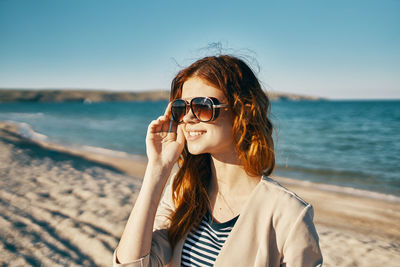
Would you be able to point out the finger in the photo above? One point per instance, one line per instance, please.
(165, 123)
(156, 125)
(153, 126)
(173, 126)
(180, 137)
(167, 111)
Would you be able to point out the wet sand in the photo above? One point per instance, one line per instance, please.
(66, 207)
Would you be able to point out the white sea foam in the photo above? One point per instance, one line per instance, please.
(27, 131)
(24, 114)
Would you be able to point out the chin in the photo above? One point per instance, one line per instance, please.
(196, 149)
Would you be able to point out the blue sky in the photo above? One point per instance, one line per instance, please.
(337, 49)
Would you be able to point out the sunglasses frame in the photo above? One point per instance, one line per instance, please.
(189, 104)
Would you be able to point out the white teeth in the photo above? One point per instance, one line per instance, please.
(195, 133)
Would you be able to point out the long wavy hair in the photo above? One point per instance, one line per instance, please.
(251, 131)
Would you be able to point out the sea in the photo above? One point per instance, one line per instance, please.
(355, 144)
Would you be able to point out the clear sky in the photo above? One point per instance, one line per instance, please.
(339, 49)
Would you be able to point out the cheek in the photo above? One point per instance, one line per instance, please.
(225, 127)
(222, 135)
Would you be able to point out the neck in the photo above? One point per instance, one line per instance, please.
(229, 189)
(229, 178)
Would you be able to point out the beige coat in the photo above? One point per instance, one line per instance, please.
(275, 228)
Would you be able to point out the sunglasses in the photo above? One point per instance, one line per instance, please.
(203, 108)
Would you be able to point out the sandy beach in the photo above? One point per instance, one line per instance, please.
(66, 207)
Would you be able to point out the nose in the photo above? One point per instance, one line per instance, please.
(189, 117)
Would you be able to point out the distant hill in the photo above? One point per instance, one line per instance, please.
(275, 96)
(73, 95)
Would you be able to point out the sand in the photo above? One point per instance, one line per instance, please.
(65, 207)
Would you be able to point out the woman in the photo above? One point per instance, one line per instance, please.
(220, 207)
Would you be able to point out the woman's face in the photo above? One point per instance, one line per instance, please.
(214, 137)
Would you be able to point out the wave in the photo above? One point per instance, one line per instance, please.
(27, 115)
(27, 132)
(319, 171)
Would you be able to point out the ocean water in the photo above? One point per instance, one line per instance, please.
(347, 143)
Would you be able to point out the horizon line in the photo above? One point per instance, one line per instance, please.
(159, 89)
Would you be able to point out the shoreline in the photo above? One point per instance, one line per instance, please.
(135, 165)
(65, 204)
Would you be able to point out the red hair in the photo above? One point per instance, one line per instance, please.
(252, 134)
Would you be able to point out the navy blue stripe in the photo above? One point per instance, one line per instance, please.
(214, 251)
(208, 229)
(203, 263)
(188, 262)
(207, 243)
(208, 239)
(200, 256)
(209, 232)
(218, 232)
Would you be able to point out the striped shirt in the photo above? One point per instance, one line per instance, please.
(202, 245)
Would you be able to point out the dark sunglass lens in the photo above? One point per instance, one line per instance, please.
(202, 108)
(178, 110)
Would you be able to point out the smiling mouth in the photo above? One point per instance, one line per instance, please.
(196, 133)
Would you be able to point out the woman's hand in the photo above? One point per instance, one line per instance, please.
(164, 140)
